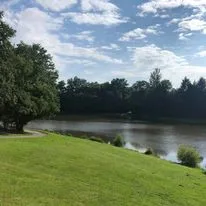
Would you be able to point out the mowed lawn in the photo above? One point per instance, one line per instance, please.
(58, 170)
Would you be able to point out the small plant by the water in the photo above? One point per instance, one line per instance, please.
(188, 156)
(149, 151)
(96, 139)
(118, 141)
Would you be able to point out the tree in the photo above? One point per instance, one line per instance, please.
(119, 88)
(119, 91)
(140, 86)
(155, 79)
(188, 156)
(139, 91)
(7, 77)
(201, 84)
(35, 90)
(165, 85)
(28, 78)
(185, 85)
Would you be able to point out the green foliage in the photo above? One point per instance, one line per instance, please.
(96, 139)
(154, 100)
(155, 78)
(118, 141)
(28, 88)
(188, 156)
(149, 151)
(204, 171)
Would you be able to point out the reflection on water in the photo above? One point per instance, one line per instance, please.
(163, 139)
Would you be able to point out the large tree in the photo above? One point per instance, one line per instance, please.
(28, 78)
(7, 78)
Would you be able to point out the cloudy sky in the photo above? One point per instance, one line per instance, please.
(103, 39)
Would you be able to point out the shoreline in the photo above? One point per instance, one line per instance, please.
(119, 118)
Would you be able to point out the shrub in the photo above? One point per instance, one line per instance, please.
(188, 156)
(118, 141)
(204, 171)
(149, 151)
(96, 139)
(83, 137)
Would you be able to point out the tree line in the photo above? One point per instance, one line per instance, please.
(149, 100)
(28, 81)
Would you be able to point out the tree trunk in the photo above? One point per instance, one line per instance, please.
(19, 127)
(5, 125)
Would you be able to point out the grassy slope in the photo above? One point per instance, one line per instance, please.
(66, 171)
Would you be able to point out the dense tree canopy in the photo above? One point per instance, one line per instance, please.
(28, 78)
(150, 100)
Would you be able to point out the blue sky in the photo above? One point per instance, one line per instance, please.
(103, 39)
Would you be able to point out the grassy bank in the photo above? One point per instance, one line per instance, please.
(59, 170)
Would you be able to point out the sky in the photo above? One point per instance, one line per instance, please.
(99, 40)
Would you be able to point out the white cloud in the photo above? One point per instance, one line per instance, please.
(36, 26)
(195, 22)
(111, 47)
(150, 57)
(193, 25)
(173, 21)
(56, 5)
(97, 12)
(201, 54)
(129, 73)
(154, 6)
(69, 49)
(162, 16)
(98, 5)
(84, 35)
(140, 33)
(173, 67)
(64, 62)
(184, 37)
(106, 19)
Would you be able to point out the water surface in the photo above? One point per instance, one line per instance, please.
(164, 139)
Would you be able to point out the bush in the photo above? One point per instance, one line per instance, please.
(188, 156)
(83, 137)
(118, 141)
(96, 139)
(149, 151)
(204, 171)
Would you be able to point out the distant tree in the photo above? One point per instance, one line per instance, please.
(185, 85)
(61, 87)
(76, 86)
(119, 88)
(120, 93)
(201, 84)
(155, 78)
(139, 91)
(165, 85)
(140, 86)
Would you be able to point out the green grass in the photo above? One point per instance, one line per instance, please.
(59, 170)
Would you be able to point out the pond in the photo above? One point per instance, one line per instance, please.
(163, 139)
